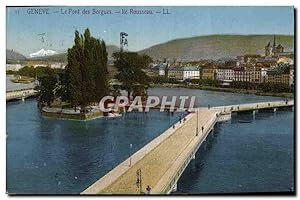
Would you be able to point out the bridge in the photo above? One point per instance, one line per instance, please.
(159, 165)
(20, 94)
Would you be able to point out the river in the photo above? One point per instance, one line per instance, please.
(47, 156)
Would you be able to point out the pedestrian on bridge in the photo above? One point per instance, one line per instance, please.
(148, 189)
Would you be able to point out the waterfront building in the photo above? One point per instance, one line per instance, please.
(291, 76)
(263, 75)
(184, 73)
(157, 69)
(40, 65)
(224, 74)
(285, 60)
(256, 73)
(240, 74)
(175, 73)
(275, 77)
(191, 72)
(208, 73)
(13, 67)
(247, 75)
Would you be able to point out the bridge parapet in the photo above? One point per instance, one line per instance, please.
(254, 106)
(163, 160)
(20, 94)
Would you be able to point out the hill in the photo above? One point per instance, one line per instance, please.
(216, 46)
(62, 57)
(14, 56)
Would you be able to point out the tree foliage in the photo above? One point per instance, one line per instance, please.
(86, 72)
(85, 79)
(46, 88)
(131, 72)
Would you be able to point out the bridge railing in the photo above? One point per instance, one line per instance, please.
(174, 179)
(20, 90)
(20, 94)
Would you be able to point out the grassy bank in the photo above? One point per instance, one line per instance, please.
(69, 116)
(219, 89)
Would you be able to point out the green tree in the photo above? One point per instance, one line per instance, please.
(130, 67)
(46, 88)
(86, 72)
(73, 73)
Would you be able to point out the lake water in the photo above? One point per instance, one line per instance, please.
(16, 86)
(58, 156)
(245, 157)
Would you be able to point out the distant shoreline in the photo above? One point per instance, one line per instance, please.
(230, 90)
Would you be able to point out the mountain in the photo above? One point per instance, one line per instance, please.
(42, 53)
(11, 55)
(216, 46)
(111, 49)
(62, 57)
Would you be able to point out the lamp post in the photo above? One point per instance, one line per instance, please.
(197, 129)
(139, 179)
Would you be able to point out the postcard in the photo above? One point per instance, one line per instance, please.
(150, 100)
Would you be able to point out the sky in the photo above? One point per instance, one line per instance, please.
(28, 32)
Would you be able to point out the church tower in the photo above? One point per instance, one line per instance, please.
(268, 50)
(274, 45)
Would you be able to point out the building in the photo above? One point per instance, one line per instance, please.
(251, 58)
(256, 76)
(291, 81)
(273, 50)
(224, 74)
(184, 73)
(275, 77)
(263, 75)
(175, 73)
(240, 60)
(13, 67)
(243, 75)
(208, 73)
(191, 72)
(240, 74)
(158, 69)
(285, 60)
(40, 65)
(58, 65)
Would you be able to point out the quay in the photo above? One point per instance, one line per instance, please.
(157, 167)
(20, 94)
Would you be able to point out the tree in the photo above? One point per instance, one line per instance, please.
(85, 79)
(73, 73)
(86, 72)
(46, 88)
(130, 67)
